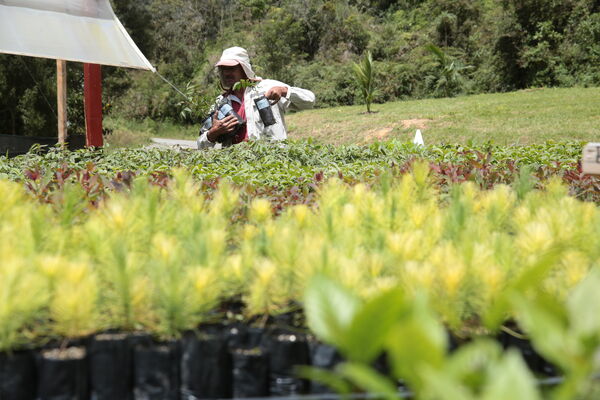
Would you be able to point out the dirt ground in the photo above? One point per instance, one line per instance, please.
(383, 133)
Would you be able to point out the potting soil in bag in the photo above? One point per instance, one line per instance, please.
(206, 368)
(111, 367)
(250, 373)
(323, 356)
(286, 352)
(63, 374)
(17, 376)
(156, 371)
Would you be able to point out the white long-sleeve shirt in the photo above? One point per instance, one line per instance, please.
(296, 98)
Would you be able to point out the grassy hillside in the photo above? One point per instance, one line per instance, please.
(522, 117)
(527, 116)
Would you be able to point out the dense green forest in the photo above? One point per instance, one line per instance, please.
(421, 48)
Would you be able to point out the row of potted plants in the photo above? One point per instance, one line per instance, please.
(167, 260)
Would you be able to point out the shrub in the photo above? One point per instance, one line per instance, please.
(333, 83)
(448, 78)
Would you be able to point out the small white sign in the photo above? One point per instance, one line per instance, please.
(590, 163)
(418, 140)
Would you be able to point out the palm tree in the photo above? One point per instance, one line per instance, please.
(365, 76)
(448, 79)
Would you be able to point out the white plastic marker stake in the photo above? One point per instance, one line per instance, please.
(418, 140)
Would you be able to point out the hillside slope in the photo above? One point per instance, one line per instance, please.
(523, 117)
(526, 116)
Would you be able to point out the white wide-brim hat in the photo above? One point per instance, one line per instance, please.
(234, 56)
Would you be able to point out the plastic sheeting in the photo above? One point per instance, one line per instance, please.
(73, 30)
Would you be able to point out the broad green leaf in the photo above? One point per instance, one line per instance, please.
(325, 377)
(439, 384)
(529, 278)
(371, 325)
(416, 341)
(329, 309)
(575, 386)
(511, 379)
(468, 363)
(548, 333)
(584, 305)
(366, 378)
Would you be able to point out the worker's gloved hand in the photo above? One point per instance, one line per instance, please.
(276, 93)
(221, 127)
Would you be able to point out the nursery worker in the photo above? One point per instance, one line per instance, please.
(233, 66)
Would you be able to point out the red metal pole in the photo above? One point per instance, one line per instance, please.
(92, 91)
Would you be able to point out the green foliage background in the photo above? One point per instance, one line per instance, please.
(489, 45)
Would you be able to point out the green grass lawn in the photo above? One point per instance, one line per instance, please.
(523, 117)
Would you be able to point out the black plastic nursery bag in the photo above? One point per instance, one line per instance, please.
(287, 351)
(250, 373)
(63, 374)
(326, 357)
(17, 376)
(206, 368)
(156, 374)
(111, 367)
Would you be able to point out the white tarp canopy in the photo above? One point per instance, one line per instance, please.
(74, 30)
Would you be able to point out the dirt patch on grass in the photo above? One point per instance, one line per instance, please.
(384, 132)
(415, 123)
(378, 134)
